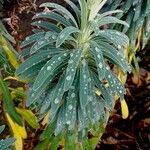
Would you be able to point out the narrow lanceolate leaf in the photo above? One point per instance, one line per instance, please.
(114, 84)
(32, 38)
(57, 97)
(115, 37)
(64, 35)
(94, 108)
(109, 13)
(70, 141)
(60, 125)
(33, 60)
(48, 132)
(46, 25)
(46, 74)
(74, 8)
(71, 104)
(9, 106)
(46, 102)
(55, 142)
(119, 87)
(32, 72)
(84, 85)
(5, 144)
(61, 10)
(115, 56)
(75, 57)
(108, 20)
(49, 38)
(97, 52)
(83, 121)
(104, 91)
(53, 16)
(29, 117)
(110, 79)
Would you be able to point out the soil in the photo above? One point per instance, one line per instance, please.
(120, 134)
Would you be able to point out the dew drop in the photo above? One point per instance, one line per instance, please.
(70, 107)
(49, 68)
(39, 21)
(119, 46)
(84, 76)
(54, 37)
(99, 56)
(27, 38)
(100, 65)
(61, 36)
(107, 68)
(65, 54)
(56, 101)
(68, 78)
(32, 95)
(70, 61)
(59, 58)
(68, 122)
(109, 76)
(73, 95)
(96, 48)
(120, 91)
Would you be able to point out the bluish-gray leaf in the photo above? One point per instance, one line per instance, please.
(64, 35)
(100, 63)
(75, 57)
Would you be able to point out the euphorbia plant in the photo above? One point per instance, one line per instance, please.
(69, 64)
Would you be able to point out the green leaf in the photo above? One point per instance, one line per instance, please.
(54, 16)
(60, 121)
(46, 25)
(49, 38)
(70, 111)
(104, 91)
(73, 63)
(64, 35)
(35, 59)
(86, 144)
(46, 75)
(107, 20)
(48, 132)
(32, 38)
(8, 103)
(83, 121)
(57, 97)
(115, 37)
(29, 117)
(43, 145)
(108, 13)
(4, 144)
(55, 142)
(84, 85)
(97, 52)
(114, 56)
(61, 10)
(70, 141)
(75, 9)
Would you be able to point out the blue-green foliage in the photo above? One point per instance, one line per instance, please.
(5, 143)
(68, 61)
